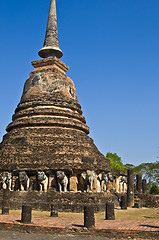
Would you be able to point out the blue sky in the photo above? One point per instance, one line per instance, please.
(112, 49)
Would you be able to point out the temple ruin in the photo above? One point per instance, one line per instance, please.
(47, 147)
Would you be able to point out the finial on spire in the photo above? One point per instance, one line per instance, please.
(51, 43)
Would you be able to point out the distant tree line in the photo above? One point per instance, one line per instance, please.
(149, 171)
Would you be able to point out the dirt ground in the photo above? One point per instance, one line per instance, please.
(129, 214)
(6, 235)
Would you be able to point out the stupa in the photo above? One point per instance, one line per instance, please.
(48, 132)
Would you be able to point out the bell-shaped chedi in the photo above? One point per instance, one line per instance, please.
(48, 131)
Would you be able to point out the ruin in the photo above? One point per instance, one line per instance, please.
(47, 147)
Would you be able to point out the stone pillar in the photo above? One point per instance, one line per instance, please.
(139, 183)
(5, 207)
(144, 186)
(89, 221)
(124, 202)
(109, 211)
(73, 183)
(5, 202)
(26, 214)
(54, 213)
(95, 185)
(130, 190)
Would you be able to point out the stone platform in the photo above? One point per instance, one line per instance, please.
(68, 202)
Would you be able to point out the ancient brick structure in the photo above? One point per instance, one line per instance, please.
(47, 144)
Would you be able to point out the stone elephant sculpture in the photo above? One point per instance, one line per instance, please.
(6, 180)
(124, 182)
(103, 179)
(42, 181)
(88, 179)
(24, 181)
(62, 181)
(124, 179)
(110, 176)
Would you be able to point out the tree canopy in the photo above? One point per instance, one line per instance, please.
(115, 161)
(150, 171)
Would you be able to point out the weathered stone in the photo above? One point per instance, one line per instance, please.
(88, 159)
(139, 183)
(51, 44)
(54, 213)
(73, 183)
(69, 202)
(5, 207)
(89, 220)
(130, 190)
(124, 202)
(48, 132)
(26, 214)
(144, 186)
(137, 205)
(109, 211)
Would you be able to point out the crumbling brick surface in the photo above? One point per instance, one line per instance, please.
(48, 130)
(69, 202)
(147, 200)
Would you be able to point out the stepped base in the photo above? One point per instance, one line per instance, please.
(68, 202)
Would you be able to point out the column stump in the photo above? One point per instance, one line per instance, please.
(89, 220)
(109, 211)
(26, 214)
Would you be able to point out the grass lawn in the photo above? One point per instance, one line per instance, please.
(130, 213)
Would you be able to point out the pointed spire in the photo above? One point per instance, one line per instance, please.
(51, 43)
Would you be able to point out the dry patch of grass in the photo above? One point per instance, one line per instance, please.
(129, 214)
(137, 214)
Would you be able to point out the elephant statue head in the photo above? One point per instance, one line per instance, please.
(23, 181)
(88, 179)
(124, 179)
(62, 181)
(110, 176)
(41, 176)
(42, 181)
(103, 178)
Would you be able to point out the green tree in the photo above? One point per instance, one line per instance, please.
(115, 161)
(150, 171)
(129, 166)
(154, 189)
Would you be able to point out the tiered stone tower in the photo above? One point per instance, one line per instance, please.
(48, 131)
